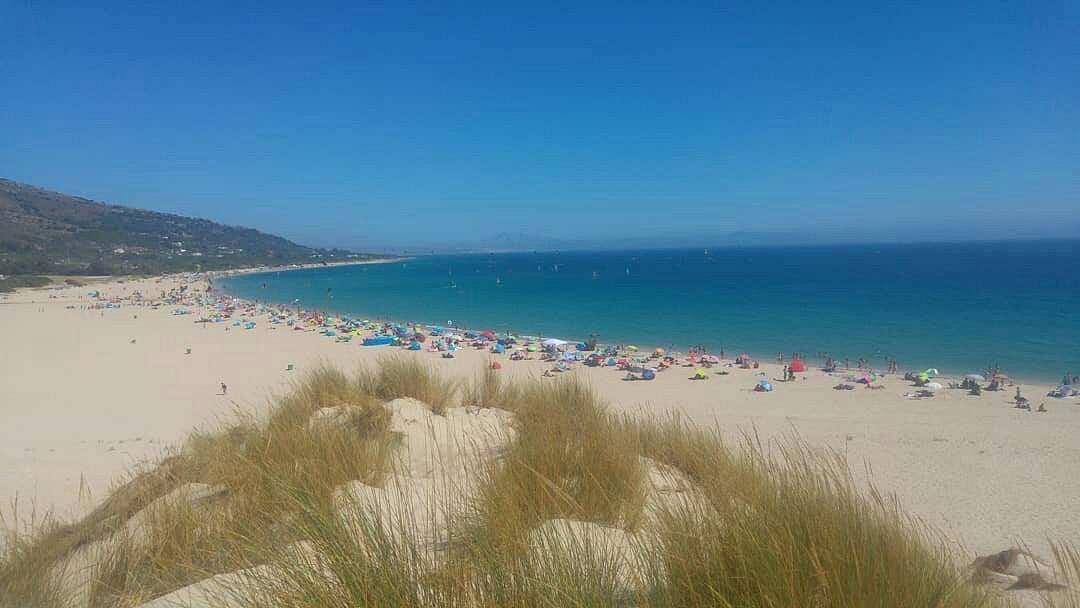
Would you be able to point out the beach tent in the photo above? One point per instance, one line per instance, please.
(765, 384)
(415, 346)
(648, 374)
(499, 349)
(798, 366)
(378, 341)
(554, 342)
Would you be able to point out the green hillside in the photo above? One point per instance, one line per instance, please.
(43, 232)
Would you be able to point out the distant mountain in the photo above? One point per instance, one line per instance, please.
(506, 242)
(518, 241)
(48, 232)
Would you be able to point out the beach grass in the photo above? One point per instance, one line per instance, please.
(399, 376)
(753, 525)
(12, 282)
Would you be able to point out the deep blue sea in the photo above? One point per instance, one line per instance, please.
(957, 307)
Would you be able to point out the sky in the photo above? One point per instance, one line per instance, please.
(381, 124)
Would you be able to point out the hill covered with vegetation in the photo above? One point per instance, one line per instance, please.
(44, 232)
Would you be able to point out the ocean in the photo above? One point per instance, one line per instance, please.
(959, 307)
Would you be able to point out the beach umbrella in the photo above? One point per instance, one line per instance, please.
(934, 386)
(660, 352)
(632, 347)
(977, 377)
(531, 348)
(1001, 377)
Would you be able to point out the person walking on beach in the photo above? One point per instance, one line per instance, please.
(224, 389)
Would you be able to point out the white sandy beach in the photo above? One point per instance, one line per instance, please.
(88, 394)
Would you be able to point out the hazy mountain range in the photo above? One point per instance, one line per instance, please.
(520, 241)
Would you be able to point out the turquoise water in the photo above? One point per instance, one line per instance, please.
(957, 307)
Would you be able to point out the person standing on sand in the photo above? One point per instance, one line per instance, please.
(224, 389)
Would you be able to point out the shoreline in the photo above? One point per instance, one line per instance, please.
(646, 348)
(130, 394)
(289, 267)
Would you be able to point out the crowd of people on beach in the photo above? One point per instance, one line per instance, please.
(197, 296)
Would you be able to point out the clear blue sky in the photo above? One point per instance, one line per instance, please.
(381, 123)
